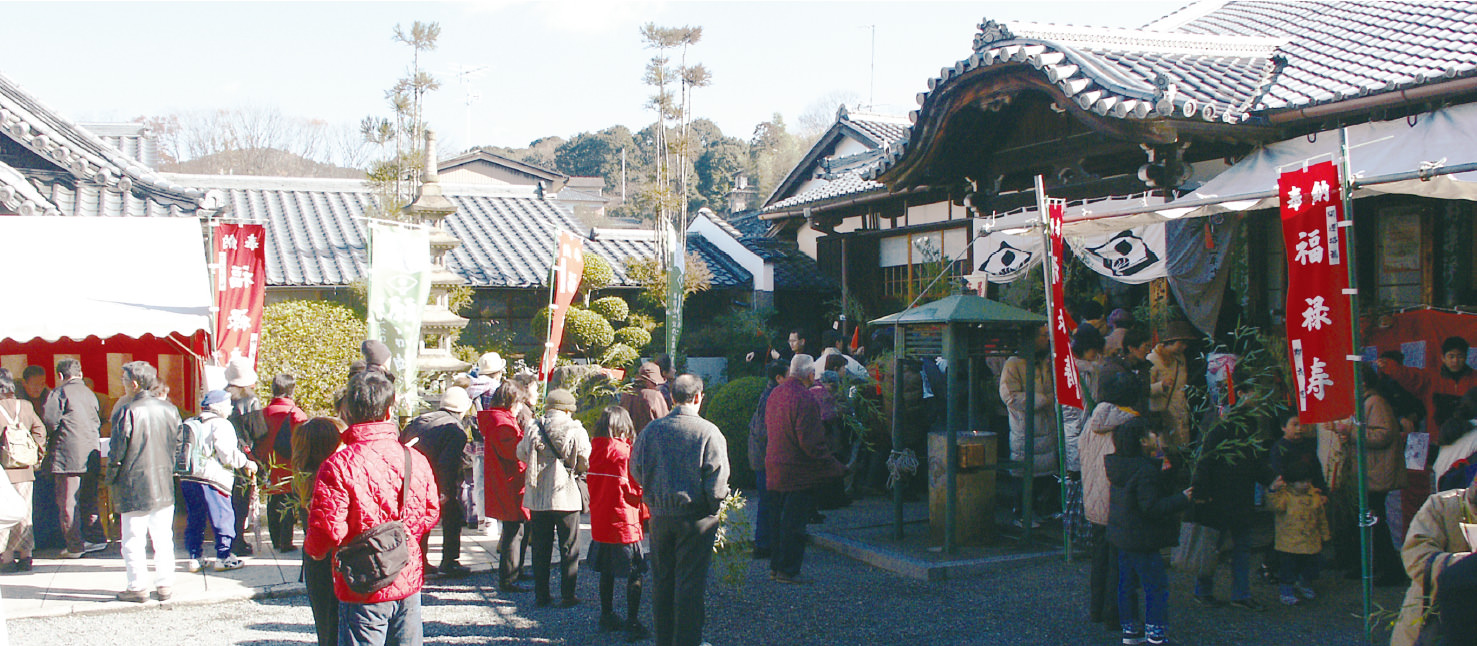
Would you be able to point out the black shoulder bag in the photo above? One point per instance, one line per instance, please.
(375, 558)
(579, 478)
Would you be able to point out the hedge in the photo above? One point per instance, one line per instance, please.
(314, 341)
(730, 407)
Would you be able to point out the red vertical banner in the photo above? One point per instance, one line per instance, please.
(569, 268)
(1068, 387)
(1319, 333)
(240, 289)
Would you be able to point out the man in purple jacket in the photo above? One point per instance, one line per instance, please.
(797, 462)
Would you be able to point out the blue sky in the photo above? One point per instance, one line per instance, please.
(553, 68)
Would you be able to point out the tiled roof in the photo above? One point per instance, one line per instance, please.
(131, 139)
(82, 173)
(726, 271)
(315, 232)
(847, 184)
(877, 132)
(793, 270)
(747, 224)
(1340, 50)
(1229, 62)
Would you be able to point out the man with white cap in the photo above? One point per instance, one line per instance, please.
(250, 422)
(486, 379)
(442, 438)
(216, 456)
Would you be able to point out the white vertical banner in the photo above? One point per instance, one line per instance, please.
(399, 285)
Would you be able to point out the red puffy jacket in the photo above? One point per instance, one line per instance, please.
(615, 498)
(502, 471)
(275, 450)
(359, 488)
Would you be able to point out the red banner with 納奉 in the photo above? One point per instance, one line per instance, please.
(240, 289)
(1319, 334)
(1068, 387)
(569, 268)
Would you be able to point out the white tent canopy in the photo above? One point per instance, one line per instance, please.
(103, 277)
(1379, 153)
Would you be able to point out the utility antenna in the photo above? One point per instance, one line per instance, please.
(464, 76)
(872, 78)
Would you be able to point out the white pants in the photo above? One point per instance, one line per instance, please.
(158, 527)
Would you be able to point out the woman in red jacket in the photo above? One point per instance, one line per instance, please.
(616, 514)
(503, 477)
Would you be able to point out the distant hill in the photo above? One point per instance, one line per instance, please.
(261, 161)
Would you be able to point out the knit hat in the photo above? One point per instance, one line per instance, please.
(1454, 343)
(376, 353)
(1179, 331)
(215, 397)
(491, 364)
(456, 400)
(1120, 318)
(560, 399)
(239, 372)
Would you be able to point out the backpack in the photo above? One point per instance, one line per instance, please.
(18, 450)
(194, 452)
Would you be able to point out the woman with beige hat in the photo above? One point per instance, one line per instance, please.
(1167, 380)
(250, 424)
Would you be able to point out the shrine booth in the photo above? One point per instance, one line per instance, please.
(961, 462)
(107, 291)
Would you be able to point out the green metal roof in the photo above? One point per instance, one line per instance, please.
(963, 309)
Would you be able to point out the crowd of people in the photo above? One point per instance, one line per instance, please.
(1245, 482)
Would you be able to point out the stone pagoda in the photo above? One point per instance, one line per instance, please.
(439, 325)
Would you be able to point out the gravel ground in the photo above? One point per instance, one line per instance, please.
(850, 603)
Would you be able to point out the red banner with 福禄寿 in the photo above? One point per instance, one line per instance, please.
(1068, 386)
(1319, 332)
(569, 268)
(240, 290)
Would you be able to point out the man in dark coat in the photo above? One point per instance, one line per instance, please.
(774, 374)
(648, 402)
(1230, 466)
(681, 462)
(798, 460)
(71, 414)
(441, 437)
(141, 454)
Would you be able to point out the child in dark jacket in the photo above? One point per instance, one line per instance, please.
(1142, 520)
(616, 514)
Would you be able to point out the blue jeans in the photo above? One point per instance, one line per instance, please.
(792, 510)
(204, 502)
(763, 511)
(1144, 569)
(388, 623)
(1240, 567)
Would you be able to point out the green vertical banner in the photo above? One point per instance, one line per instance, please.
(399, 285)
(677, 253)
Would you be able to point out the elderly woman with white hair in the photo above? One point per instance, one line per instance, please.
(216, 456)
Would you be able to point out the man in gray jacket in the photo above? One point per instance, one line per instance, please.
(141, 452)
(71, 413)
(681, 461)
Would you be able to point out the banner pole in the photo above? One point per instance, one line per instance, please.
(1366, 578)
(549, 326)
(1049, 270)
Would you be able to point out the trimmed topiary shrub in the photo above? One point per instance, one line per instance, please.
(597, 275)
(619, 355)
(588, 331)
(613, 308)
(313, 341)
(637, 338)
(540, 324)
(730, 407)
(642, 321)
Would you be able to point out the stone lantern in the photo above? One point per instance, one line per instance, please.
(439, 325)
